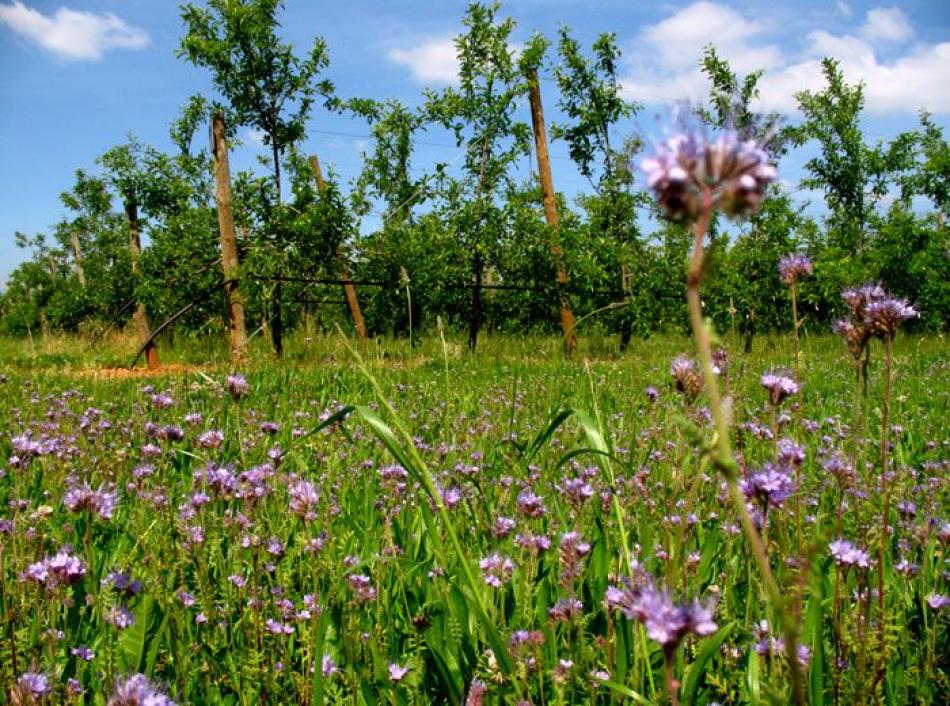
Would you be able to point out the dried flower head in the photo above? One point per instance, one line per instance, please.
(686, 377)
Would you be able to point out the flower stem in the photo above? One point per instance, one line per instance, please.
(722, 456)
(885, 494)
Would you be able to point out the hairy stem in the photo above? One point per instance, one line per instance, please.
(722, 455)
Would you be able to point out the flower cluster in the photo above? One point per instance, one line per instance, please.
(496, 570)
(666, 621)
(873, 313)
(82, 498)
(688, 172)
(779, 387)
(137, 690)
(793, 267)
(60, 569)
(847, 554)
(771, 486)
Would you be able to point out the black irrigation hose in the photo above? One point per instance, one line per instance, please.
(177, 315)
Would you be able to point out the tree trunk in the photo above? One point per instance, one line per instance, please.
(229, 251)
(475, 320)
(349, 291)
(139, 318)
(550, 211)
(77, 258)
(276, 319)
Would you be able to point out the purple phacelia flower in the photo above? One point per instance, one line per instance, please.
(793, 267)
(82, 498)
(733, 172)
(304, 498)
(771, 486)
(666, 622)
(884, 316)
(83, 652)
(121, 617)
(31, 688)
(778, 386)
(937, 601)
(237, 386)
(137, 690)
(529, 504)
(397, 673)
(846, 554)
(496, 570)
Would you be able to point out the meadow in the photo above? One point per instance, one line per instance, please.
(407, 525)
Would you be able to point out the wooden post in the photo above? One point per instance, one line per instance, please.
(139, 317)
(349, 291)
(77, 257)
(229, 252)
(550, 210)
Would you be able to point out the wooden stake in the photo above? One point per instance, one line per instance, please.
(550, 210)
(139, 318)
(77, 258)
(229, 251)
(349, 291)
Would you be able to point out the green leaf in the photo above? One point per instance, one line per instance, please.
(696, 670)
(626, 691)
(136, 641)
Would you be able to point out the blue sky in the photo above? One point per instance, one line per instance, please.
(75, 78)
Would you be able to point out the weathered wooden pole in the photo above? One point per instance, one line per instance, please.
(77, 257)
(349, 291)
(550, 210)
(139, 317)
(229, 251)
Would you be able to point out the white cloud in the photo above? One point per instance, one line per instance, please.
(673, 48)
(431, 61)
(843, 8)
(71, 34)
(252, 136)
(886, 24)
(679, 39)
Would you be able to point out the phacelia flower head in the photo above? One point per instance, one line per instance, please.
(733, 172)
(496, 570)
(771, 486)
(31, 688)
(847, 554)
(884, 316)
(793, 267)
(237, 386)
(859, 298)
(666, 622)
(81, 498)
(137, 690)
(779, 387)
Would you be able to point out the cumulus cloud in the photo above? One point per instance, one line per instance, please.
(431, 61)
(71, 34)
(663, 60)
(886, 24)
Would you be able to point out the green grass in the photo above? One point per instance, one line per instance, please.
(432, 612)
